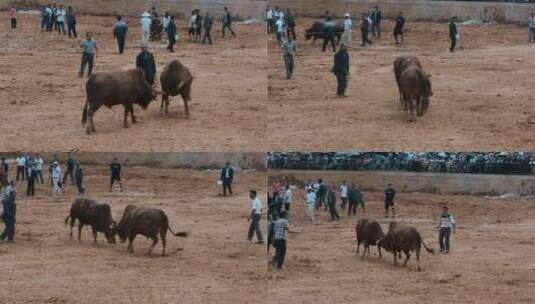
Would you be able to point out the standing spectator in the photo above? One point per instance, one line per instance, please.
(398, 28)
(61, 15)
(90, 50)
(290, 24)
(331, 201)
(341, 70)
(145, 61)
(145, 23)
(54, 18)
(343, 194)
(165, 23)
(46, 15)
(208, 21)
(454, 34)
(288, 198)
(280, 234)
(39, 168)
(115, 168)
(329, 34)
(447, 223)
(21, 167)
(192, 25)
(70, 170)
(198, 26)
(9, 212)
(376, 22)
(352, 200)
(171, 34)
(5, 167)
(119, 32)
(32, 176)
(288, 50)
(365, 30)
(270, 22)
(348, 30)
(321, 193)
(390, 194)
(226, 178)
(13, 16)
(56, 180)
(256, 213)
(310, 199)
(532, 28)
(279, 25)
(227, 23)
(79, 178)
(71, 22)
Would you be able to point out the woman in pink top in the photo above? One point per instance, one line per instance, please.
(12, 12)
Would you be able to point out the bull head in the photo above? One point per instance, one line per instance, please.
(110, 232)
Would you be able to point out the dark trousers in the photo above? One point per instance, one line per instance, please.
(280, 252)
(70, 174)
(61, 27)
(341, 78)
(287, 206)
(365, 39)
(227, 185)
(444, 238)
(352, 208)
(79, 186)
(44, 24)
(376, 30)
(54, 23)
(207, 36)
(334, 214)
(120, 43)
(453, 41)
(9, 231)
(279, 37)
(21, 171)
(71, 29)
(290, 31)
(13, 23)
(344, 202)
(171, 45)
(254, 227)
(270, 26)
(289, 63)
(227, 26)
(30, 190)
(89, 60)
(327, 40)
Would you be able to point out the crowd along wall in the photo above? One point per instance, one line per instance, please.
(473, 184)
(415, 9)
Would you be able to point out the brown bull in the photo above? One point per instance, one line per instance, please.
(98, 216)
(368, 232)
(176, 79)
(403, 239)
(317, 31)
(400, 64)
(415, 87)
(116, 88)
(145, 221)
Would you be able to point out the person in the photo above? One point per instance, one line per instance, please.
(5, 167)
(208, 21)
(171, 34)
(13, 16)
(279, 25)
(376, 22)
(348, 28)
(343, 194)
(56, 180)
(198, 26)
(71, 22)
(32, 176)
(390, 194)
(145, 23)
(270, 22)
(280, 234)
(290, 24)
(79, 178)
(61, 15)
(70, 169)
(21, 167)
(359, 199)
(329, 34)
(90, 50)
(398, 28)
(321, 193)
(256, 213)
(46, 15)
(532, 28)
(288, 51)
(365, 30)
(226, 178)
(288, 198)
(192, 25)
(331, 202)
(165, 23)
(341, 70)
(153, 12)
(39, 168)
(227, 23)
(53, 17)
(119, 32)
(447, 223)
(310, 199)
(9, 213)
(454, 34)
(145, 61)
(115, 176)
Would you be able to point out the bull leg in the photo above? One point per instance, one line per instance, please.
(358, 246)
(186, 106)
(167, 104)
(92, 121)
(395, 258)
(364, 251)
(94, 231)
(407, 257)
(80, 226)
(379, 249)
(418, 258)
(163, 234)
(418, 107)
(154, 242)
(125, 122)
(72, 224)
(131, 108)
(411, 108)
(130, 247)
(161, 105)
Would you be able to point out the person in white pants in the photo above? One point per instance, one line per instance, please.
(311, 204)
(145, 23)
(56, 175)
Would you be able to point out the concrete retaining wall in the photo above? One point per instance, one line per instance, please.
(474, 184)
(415, 9)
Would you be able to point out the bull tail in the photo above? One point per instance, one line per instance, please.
(84, 113)
(428, 249)
(179, 234)
(67, 219)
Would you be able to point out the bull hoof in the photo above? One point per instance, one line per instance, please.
(126, 125)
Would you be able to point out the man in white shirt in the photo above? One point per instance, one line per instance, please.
(39, 168)
(279, 25)
(310, 198)
(61, 14)
(145, 23)
(447, 223)
(343, 194)
(256, 213)
(21, 167)
(192, 25)
(56, 175)
(269, 20)
(288, 197)
(348, 26)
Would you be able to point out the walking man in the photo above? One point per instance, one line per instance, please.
(331, 201)
(329, 34)
(227, 23)
(79, 178)
(208, 22)
(39, 168)
(46, 15)
(56, 180)
(290, 24)
(280, 234)
(115, 168)
(119, 32)
(288, 198)
(310, 198)
(171, 34)
(447, 224)
(32, 176)
(390, 194)
(341, 70)
(145, 61)
(145, 23)
(454, 34)
(398, 28)
(288, 51)
(70, 170)
(226, 178)
(365, 30)
(256, 213)
(71, 22)
(279, 25)
(348, 28)
(376, 22)
(9, 212)
(90, 49)
(343, 194)
(21, 167)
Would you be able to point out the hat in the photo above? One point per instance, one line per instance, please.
(145, 14)
(347, 15)
(144, 45)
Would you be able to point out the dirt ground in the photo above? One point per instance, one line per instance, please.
(491, 259)
(215, 264)
(483, 97)
(41, 97)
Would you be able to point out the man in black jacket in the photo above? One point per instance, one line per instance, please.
(70, 169)
(453, 33)
(227, 23)
(365, 30)
(376, 22)
(341, 70)
(208, 21)
(79, 177)
(145, 61)
(71, 22)
(227, 175)
(398, 28)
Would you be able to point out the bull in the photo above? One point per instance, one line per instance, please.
(400, 64)
(98, 216)
(317, 31)
(415, 87)
(116, 88)
(145, 221)
(176, 79)
(368, 232)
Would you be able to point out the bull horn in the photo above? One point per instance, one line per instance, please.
(180, 85)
